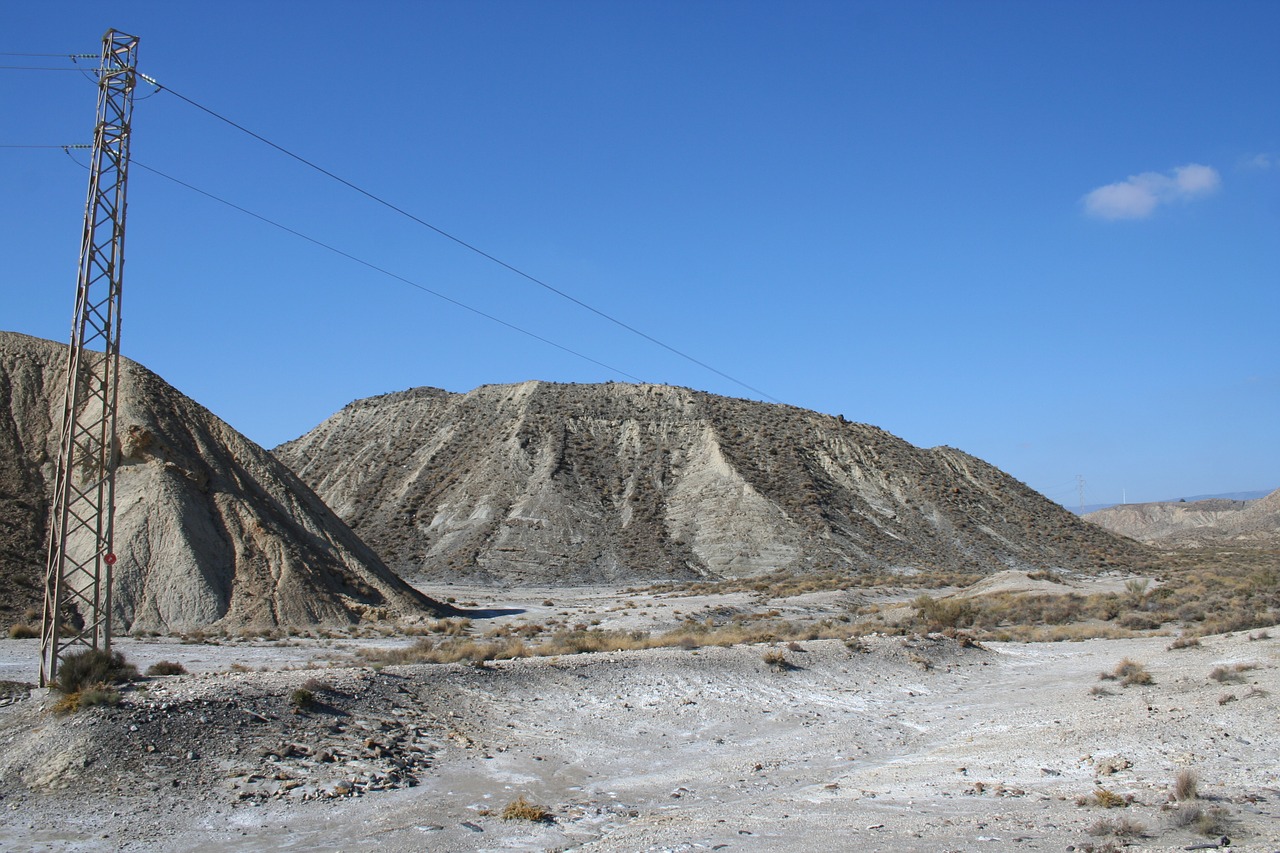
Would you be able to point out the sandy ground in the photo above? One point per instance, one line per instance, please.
(905, 744)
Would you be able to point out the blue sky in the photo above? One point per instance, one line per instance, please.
(1045, 233)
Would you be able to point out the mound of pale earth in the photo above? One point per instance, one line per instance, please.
(1020, 583)
(903, 744)
(210, 530)
(540, 483)
(1196, 524)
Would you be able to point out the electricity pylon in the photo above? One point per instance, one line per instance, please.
(77, 602)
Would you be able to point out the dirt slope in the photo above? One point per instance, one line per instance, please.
(544, 483)
(1195, 524)
(210, 528)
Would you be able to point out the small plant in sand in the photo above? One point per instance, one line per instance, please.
(1184, 642)
(522, 809)
(22, 631)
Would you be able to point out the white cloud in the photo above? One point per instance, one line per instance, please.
(1138, 196)
(1259, 161)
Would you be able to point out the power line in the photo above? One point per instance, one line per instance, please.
(72, 56)
(385, 271)
(34, 68)
(458, 240)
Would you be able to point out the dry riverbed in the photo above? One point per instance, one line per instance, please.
(897, 743)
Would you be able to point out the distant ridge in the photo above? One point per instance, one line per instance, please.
(1199, 523)
(542, 483)
(1225, 496)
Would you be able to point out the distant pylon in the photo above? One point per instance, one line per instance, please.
(1080, 489)
(77, 603)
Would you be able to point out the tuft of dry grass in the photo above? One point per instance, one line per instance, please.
(98, 695)
(1231, 674)
(1186, 785)
(1123, 827)
(1194, 816)
(1104, 798)
(775, 659)
(1129, 672)
(1184, 642)
(22, 631)
(522, 809)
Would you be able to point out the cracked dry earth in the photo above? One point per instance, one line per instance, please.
(903, 744)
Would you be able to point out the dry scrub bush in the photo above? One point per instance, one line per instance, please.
(93, 667)
(1184, 642)
(785, 584)
(98, 695)
(1120, 828)
(505, 644)
(302, 699)
(1104, 798)
(1186, 785)
(166, 667)
(775, 659)
(1129, 672)
(1231, 674)
(522, 809)
(1136, 589)
(22, 631)
(1209, 822)
(937, 614)
(1221, 590)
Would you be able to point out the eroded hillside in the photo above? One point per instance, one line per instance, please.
(547, 483)
(209, 527)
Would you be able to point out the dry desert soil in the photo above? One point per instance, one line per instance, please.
(896, 743)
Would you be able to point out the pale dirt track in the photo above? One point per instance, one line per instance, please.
(912, 745)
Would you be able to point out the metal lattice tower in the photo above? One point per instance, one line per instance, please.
(77, 604)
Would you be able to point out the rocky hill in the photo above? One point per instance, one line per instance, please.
(210, 529)
(1196, 524)
(541, 483)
